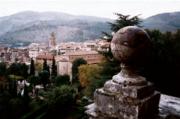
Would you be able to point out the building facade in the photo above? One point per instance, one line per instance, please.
(65, 61)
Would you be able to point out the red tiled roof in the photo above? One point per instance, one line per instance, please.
(47, 57)
(81, 53)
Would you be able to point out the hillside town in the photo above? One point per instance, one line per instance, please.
(63, 53)
(57, 68)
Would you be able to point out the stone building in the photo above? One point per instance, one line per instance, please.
(40, 58)
(103, 46)
(65, 61)
(64, 67)
(33, 50)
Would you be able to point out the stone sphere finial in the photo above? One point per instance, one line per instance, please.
(130, 45)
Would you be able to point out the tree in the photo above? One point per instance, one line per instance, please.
(120, 22)
(87, 75)
(33, 80)
(24, 70)
(164, 63)
(18, 70)
(76, 63)
(62, 80)
(54, 68)
(13, 87)
(32, 68)
(60, 100)
(44, 78)
(124, 20)
(3, 69)
(38, 67)
(26, 98)
(3, 76)
(45, 66)
(14, 69)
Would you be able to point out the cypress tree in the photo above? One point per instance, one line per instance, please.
(45, 66)
(54, 68)
(32, 68)
(76, 63)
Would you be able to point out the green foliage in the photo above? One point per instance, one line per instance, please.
(45, 66)
(60, 100)
(33, 80)
(32, 67)
(92, 77)
(87, 75)
(3, 69)
(38, 67)
(62, 80)
(13, 87)
(124, 20)
(76, 63)
(14, 68)
(54, 68)
(15, 77)
(110, 68)
(164, 68)
(44, 78)
(61, 96)
(24, 70)
(88, 72)
(18, 69)
(120, 22)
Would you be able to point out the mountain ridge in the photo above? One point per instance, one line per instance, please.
(30, 26)
(169, 21)
(37, 26)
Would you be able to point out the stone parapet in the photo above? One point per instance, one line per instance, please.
(169, 108)
(128, 95)
(126, 103)
(132, 91)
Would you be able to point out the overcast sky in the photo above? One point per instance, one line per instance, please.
(101, 8)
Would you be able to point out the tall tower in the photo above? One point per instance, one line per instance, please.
(52, 40)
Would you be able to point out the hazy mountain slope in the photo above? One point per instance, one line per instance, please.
(163, 22)
(36, 27)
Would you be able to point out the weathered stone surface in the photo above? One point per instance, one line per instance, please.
(116, 105)
(139, 91)
(169, 108)
(130, 45)
(128, 95)
(123, 78)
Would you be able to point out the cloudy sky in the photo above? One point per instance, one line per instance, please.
(101, 8)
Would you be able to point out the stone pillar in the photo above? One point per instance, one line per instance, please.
(128, 95)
